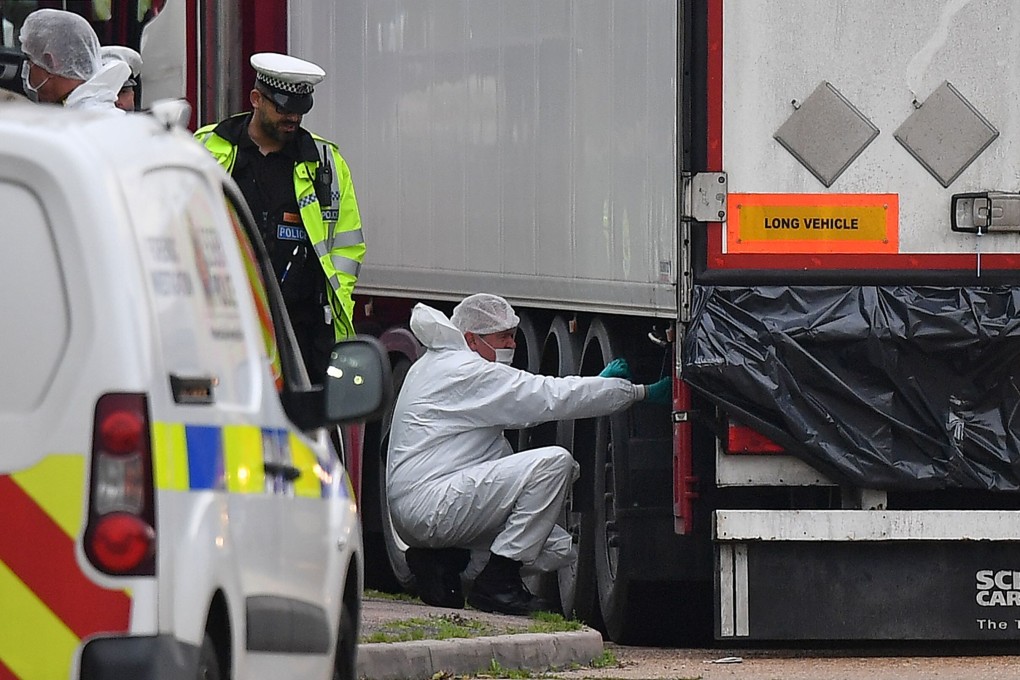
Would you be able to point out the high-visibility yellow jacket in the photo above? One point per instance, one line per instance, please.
(335, 231)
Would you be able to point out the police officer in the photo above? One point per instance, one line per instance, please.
(299, 190)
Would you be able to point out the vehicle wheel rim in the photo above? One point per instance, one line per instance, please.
(609, 508)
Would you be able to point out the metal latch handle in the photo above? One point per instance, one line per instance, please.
(985, 212)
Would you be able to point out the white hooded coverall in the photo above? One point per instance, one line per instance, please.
(452, 478)
(101, 90)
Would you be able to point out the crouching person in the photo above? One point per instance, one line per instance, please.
(453, 482)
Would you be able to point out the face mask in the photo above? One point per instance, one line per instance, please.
(503, 355)
(31, 92)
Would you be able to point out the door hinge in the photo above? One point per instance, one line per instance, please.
(704, 196)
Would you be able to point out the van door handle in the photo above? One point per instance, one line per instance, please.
(192, 390)
(287, 472)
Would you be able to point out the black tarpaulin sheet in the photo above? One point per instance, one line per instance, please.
(876, 387)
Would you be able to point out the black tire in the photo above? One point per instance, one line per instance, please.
(622, 614)
(345, 661)
(527, 357)
(394, 550)
(208, 661)
(574, 586)
(578, 596)
(624, 611)
(582, 588)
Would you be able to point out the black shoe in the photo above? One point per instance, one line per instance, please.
(511, 600)
(499, 589)
(437, 575)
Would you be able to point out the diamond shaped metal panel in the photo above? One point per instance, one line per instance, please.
(946, 134)
(826, 133)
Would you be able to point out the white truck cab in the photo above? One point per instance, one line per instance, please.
(172, 506)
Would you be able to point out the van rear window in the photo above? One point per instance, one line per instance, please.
(181, 237)
(33, 301)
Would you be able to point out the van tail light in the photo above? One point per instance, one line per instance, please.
(120, 537)
(742, 439)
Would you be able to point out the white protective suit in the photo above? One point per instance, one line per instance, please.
(100, 91)
(452, 478)
(65, 44)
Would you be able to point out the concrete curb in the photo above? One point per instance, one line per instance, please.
(421, 659)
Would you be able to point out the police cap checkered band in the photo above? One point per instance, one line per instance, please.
(283, 85)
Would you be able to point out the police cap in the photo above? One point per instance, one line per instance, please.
(286, 80)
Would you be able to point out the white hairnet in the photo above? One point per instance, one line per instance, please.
(483, 313)
(125, 54)
(63, 43)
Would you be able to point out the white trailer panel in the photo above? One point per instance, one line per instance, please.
(526, 147)
(887, 58)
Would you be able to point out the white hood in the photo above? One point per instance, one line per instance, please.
(434, 330)
(101, 90)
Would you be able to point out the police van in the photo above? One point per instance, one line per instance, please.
(172, 506)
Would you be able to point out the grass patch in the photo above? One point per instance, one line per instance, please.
(434, 627)
(446, 626)
(496, 670)
(396, 597)
(607, 660)
(548, 622)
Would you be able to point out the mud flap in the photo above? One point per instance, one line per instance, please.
(881, 590)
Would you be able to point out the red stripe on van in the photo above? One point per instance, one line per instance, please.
(6, 673)
(39, 553)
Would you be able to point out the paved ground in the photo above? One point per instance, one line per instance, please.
(424, 660)
(420, 660)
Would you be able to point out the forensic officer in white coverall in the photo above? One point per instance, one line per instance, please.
(63, 63)
(453, 481)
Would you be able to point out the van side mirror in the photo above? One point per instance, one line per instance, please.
(357, 384)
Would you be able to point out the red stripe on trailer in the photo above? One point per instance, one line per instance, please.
(684, 481)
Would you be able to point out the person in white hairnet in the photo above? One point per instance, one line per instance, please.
(126, 96)
(63, 65)
(453, 482)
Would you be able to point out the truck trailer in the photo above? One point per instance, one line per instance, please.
(806, 211)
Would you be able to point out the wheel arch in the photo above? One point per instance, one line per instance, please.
(400, 345)
(219, 628)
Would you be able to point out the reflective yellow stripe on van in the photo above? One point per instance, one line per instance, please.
(243, 463)
(34, 643)
(302, 457)
(48, 602)
(170, 450)
(231, 458)
(56, 484)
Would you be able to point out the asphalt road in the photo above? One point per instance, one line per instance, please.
(917, 661)
(909, 663)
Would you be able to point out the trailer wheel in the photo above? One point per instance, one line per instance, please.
(621, 613)
(575, 585)
(527, 357)
(624, 613)
(394, 546)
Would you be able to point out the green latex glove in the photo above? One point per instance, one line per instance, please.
(617, 368)
(660, 392)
